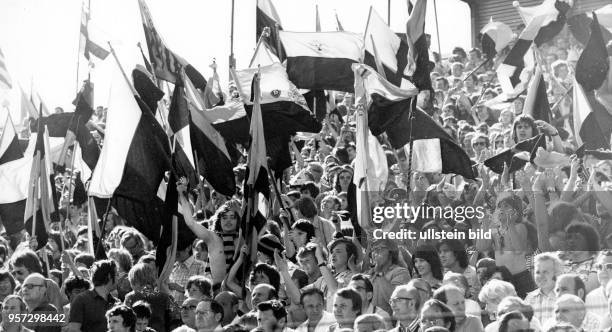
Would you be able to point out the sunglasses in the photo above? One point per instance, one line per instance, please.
(188, 307)
(606, 266)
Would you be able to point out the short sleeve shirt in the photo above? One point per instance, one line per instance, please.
(89, 309)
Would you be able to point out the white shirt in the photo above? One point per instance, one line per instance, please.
(323, 325)
(596, 302)
(382, 313)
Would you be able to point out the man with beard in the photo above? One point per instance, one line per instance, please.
(546, 269)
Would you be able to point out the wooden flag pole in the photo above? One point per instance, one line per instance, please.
(487, 60)
(35, 196)
(232, 61)
(388, 12)
(127, 80)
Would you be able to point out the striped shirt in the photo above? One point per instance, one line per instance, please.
(229, 247)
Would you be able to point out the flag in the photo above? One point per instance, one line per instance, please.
(392, 50)
(419, 65)
(215, 161)
(166, 64)
(266, 16)
(371, 169)
(38, 103)
(317, 102)
(178, 120)
(322, 60)
(495, 36)
(515, 71)
(133, 160)
(596, 128)
(338, 24)
(536, 103)
(510, 156)
(9, 142)
(40, 188)
(5, 78)
(146, 88)
(581, 109)
(86, 45)
(284, 110)
(27, 108)
(580, 27)
(257, 178)
(593, 65)
(263, 56)
(317, 20)
(554, 13)
(388, 110)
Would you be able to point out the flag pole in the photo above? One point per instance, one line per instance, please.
(487, 60)
(410, 118)
(134, 92)
(388, 12)
(232, 61)
(437, 27)
(265, 33)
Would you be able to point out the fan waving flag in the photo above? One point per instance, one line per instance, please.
(392, 50)
(510, 157)
(166, 64)
(5, 78)
(322, 60)
(266, 16)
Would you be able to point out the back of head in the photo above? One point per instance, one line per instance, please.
(103, 271)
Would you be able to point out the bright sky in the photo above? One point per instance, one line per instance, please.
(40, 38)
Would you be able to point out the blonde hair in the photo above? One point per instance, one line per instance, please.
(142, 275)
(496, 290)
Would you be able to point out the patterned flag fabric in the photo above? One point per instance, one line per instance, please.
(5, 78)
(88, 46)
(166, 64)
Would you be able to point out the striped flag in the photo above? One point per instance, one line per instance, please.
(322, 60)
(554, 13)
(266, 16)
(5, 78)
(495, 37)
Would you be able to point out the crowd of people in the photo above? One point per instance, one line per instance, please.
(546, 267)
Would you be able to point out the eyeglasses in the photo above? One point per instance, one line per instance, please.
(606, 266)
(188, 307)
(203, 313)
(31, 286)
(480, 143)
(431, 321)
(394, 300)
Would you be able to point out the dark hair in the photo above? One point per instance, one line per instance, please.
(142, 309)
(215, 307)
(578, 284)
(458, 249)
(589, 233)
(129, 318)
(270, 271)
(505, 273)
(204, 284)
(306, 206)
(311, 187)
(75, 282)
(507, 317)
(305, 226)
(28, 259)
(366, 280)
(103, 272)
(4, 274)
(86, 259)
(277, 307)
(311, 291)
(524, 118)
(351, 294)
(350, 247)
(562, 214)
(58, 274)
(223, 209)
(430, 255)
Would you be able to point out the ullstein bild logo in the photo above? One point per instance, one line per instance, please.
(405, 211)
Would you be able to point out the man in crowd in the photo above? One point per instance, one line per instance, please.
(185, 267)
(121, 319)
(34, 290)
(547, 268)
(271, 316)
(318, 320)
(386, 274)
(347, 306)
(571, 309)
(188, 312)
(87, 311)
(13, 305)
(209, 315)
(362, 284)
(230, 303)
(406, 303)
